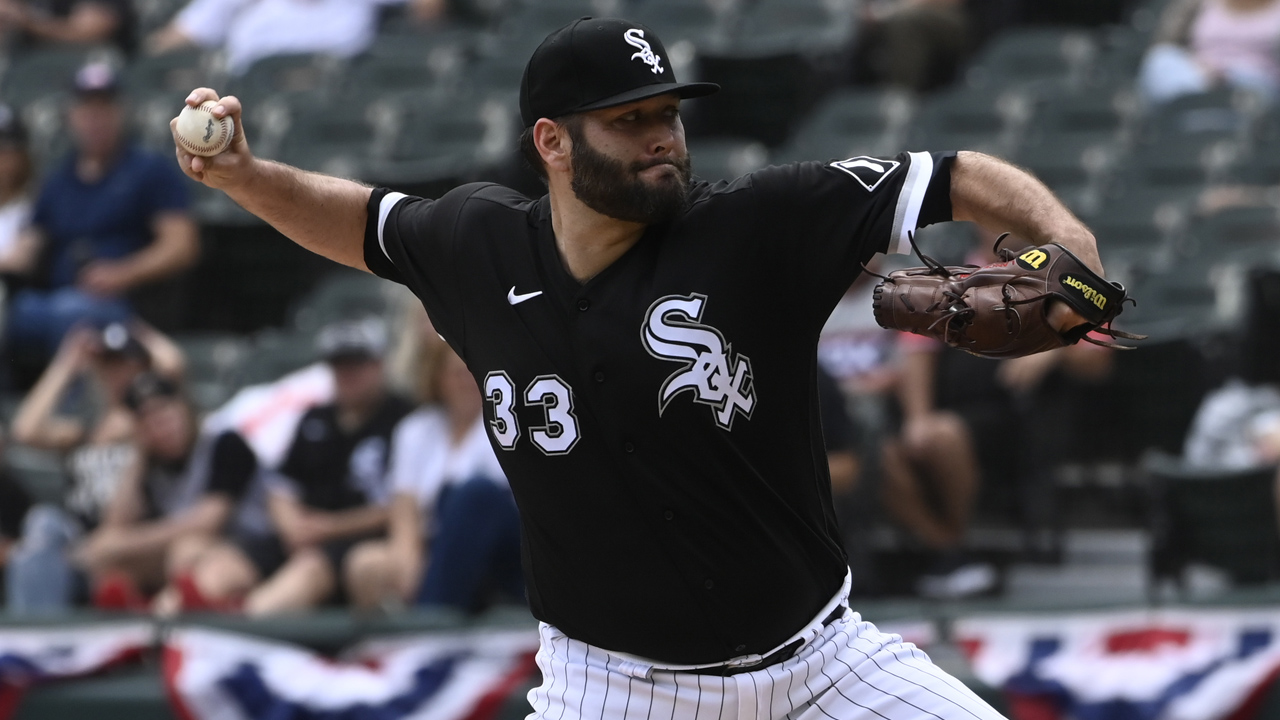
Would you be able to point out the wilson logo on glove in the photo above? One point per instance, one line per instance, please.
(1001, 310)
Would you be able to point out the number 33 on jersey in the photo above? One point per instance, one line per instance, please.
(710, 372)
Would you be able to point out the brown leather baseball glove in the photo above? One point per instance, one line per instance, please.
(1001, 310)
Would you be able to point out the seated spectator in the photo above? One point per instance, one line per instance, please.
(1203, 44)
(330, 495)
(1026, 416)
(188, 488)
(250, 30)
(71, 22)
(109, 218)
(924, 453)
(14, 503)
(77, 409)
(931, 478)
(916, 45)
(454, 533)
(17, 252)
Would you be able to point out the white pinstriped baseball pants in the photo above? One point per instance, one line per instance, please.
(850, 671)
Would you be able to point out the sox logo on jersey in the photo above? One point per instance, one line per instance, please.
(712, 372)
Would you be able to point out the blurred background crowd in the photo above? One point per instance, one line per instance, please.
(199, 416)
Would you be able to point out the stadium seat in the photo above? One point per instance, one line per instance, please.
(439, 138)
(851, 122)
(1133, 215)
(1225, 518)
(1033, 54)
(342, 295)
(174, 72)
(682, 20)
(726, 158)
(282, 77)
(972, 119)
(40, 472)
(351, 129)
(762, 96)
(274, 355)
(48, 72)
(803, 25)
(213, 359)
(1243, 235)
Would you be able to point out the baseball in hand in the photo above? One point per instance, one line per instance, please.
(200, 133)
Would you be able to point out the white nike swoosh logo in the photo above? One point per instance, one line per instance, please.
(515, 299)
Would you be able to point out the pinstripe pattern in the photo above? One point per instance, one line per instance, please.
(852, 671)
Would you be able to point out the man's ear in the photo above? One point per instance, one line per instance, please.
(553, 143)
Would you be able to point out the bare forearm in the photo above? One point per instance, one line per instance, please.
(915, 391)
(31, 424)
(357, 521)
(323, 214)
(1002, 197)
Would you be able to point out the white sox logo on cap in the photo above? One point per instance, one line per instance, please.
(635, 38)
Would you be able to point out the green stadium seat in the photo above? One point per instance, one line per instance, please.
(283, 77)
(851, 122)
(725, 158)
(678, 21)
(136, 693)
(48, 72)
(800, 25)
(1033, 54)
(213, 359)
(341, 295)
(972, 119)
(274, 355)
(39, 471)
(1224, 518)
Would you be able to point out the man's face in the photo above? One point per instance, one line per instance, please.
(97, 122)
(357, 381)
(165, 428)
(630, 162)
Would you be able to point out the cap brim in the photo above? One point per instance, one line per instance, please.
(684, 90)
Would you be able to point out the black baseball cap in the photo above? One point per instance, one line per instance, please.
(149, 386)
(352, 340)
(595, 63)
(118, 342)
(96, 80)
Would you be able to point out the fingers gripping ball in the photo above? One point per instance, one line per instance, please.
(200, 133)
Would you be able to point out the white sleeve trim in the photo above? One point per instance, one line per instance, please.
(907, 215)
(384, 209)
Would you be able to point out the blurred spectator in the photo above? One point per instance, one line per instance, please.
(931, 477)
(250, 30)
(1202, 44)
(1027, 416)
(77, 409)
(110, 218)
(187, 488)
(330, 495)
(17, 252)
(926, 456)
(454, 532)
(80, 22)
(916, 45)
(14, 503)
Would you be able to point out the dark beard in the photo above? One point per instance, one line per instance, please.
(612, 188)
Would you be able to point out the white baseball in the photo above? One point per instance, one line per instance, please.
(200, 133)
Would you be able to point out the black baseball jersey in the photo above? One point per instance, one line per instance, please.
(659, 423)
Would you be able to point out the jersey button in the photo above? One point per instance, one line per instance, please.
(708, 584)
(629, 447)
(583, 304)
(599, 376)
(669, 515)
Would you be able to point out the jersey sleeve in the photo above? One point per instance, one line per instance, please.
(232, 466)
(410, 240)
(829, 218)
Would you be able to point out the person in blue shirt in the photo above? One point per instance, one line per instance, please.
(109, 218)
